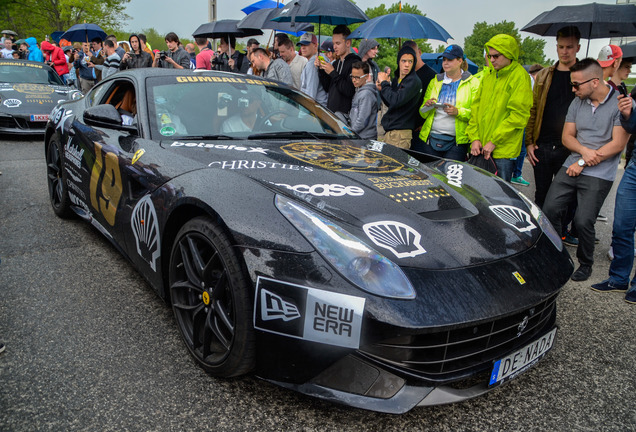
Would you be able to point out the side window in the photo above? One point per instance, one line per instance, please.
(96, 96)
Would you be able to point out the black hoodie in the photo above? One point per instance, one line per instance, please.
(338, 84)
(403, 98)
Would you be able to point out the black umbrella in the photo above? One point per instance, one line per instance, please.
(629, 50)
(83, 33)
(262, 19)
(333, 12)
(218, 29)
(593, 20)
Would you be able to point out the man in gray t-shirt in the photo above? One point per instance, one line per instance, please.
(595, 137)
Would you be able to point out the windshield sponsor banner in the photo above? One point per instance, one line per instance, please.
(219, 147)
(216, 79)
(307, 313)
(342, 157)
(22, 64)
(250, 164)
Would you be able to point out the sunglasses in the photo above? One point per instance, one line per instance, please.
(494, 56)
(576, 85)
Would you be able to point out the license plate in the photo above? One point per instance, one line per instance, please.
(39, 117)
(517, 362)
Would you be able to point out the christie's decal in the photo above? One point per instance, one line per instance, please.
(220, 147)
(397, 237)
(145, 227)
(342, 157)
(308, 313)
(514, 216)
(248, 164)
(335, 190)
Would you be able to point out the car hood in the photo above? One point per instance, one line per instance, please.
(436, 214)
(24, 98)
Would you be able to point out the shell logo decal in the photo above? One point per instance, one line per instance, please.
(342, 157)
(397, 237)
(514, 216)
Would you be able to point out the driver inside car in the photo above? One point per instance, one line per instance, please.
(249, 105)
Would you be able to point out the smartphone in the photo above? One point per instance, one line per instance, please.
(622, 90)
(438, 105)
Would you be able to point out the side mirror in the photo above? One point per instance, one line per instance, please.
(106, 116)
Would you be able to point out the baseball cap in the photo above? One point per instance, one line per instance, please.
(327, 46)
(608, 54)
(452, 52)
(308, 38)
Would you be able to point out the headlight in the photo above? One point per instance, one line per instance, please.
(544, 223)
(351, 257)
(76, 95)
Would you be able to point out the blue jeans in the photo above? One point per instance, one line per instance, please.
(505, 167)
(624, 226)
(519, 163)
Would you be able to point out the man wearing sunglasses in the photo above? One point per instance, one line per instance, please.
(595, 138)
(500, 110)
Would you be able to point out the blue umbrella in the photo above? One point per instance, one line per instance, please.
(83, 33)
(400, 25)
(331, 12)
(262, 4)
(432, 60)
(56, 36)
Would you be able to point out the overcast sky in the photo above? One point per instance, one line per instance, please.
(457, 17)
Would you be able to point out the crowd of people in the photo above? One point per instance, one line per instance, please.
(572, 119)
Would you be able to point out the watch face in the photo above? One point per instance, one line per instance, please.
(581, 162)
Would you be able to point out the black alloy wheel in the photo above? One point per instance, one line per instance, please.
(56, 180)
(210, 299)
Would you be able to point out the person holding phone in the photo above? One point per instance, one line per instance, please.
(446, 108)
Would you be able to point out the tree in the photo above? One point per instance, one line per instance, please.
(38, 18)
(530, 49)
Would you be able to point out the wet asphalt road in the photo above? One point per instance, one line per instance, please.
(91, 347)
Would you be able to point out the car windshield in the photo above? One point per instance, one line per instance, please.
(213, 107)
(23, 72)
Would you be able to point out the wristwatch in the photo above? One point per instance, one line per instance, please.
(581, 163)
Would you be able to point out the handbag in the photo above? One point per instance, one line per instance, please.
(441, 143)
(486, 164)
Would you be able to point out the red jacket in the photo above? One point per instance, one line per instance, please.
(55, 55)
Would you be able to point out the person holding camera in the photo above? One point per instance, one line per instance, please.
(136, 57)
(175, 58)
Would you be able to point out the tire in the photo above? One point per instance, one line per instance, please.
(210, 299)
(56, 180)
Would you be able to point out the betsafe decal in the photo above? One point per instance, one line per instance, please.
(308, 313)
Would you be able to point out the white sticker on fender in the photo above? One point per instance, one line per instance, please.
(308, 313)
(397, 237)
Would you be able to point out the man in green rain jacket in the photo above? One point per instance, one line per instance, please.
(501, 108)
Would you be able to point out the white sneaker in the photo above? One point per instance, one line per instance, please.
(610, 253)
